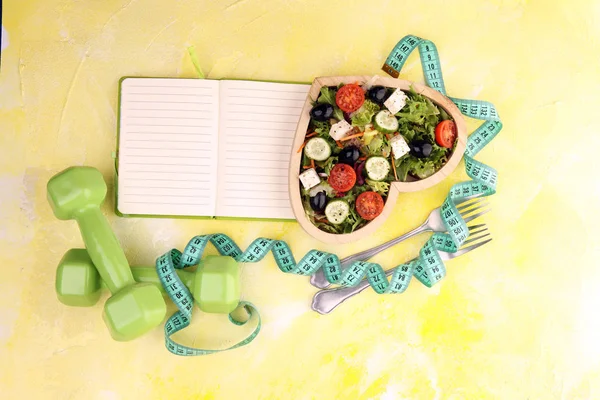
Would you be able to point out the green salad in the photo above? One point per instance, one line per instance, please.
(359, 140)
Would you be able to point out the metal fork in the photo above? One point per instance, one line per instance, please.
(326, 300)
(470, 208)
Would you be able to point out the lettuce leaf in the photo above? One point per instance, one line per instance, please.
(376, 144)
(386, 150)
(419, 111)
(365, 113)
(380, 187)
(424, 169)
(328, 164)
(337, 113)
(350, 196)
(327, 96)
(353, 221)
(419, 167)
(321, 127)
(402, 168)
(444, 115)
(369, 135)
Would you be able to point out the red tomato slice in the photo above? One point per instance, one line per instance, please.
(350, 97)
(369, 205)
(445, 133)
(342, 177)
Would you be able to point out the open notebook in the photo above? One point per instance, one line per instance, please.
(206, 148)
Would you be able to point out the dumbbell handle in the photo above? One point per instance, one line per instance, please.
(104, 249)
(149, 275)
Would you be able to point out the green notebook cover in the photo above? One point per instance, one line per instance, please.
(116, 158)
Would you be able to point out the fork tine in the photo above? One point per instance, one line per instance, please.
(474, 239)
(466, 214)
(472, 227)
(468, 199)
(470, 248)
(471, 197)
(477, 231)
(466, 205)
(473, 207)
(472, 217)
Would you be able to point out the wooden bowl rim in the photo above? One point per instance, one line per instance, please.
(395, 187)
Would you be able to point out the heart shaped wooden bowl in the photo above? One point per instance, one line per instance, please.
(396, 187)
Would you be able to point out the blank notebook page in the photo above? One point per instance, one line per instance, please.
(167, 146)
(256, 130)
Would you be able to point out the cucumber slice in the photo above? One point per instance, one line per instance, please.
(318, 149)
(377, 168)
(386, 122)
(337, 211)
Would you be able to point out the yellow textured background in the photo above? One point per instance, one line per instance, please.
(518, 320)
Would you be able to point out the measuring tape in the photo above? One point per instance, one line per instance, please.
(183, 299)
(483, 177)
(428, 268)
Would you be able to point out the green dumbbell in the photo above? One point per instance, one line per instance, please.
(215, 284)
(134, 309)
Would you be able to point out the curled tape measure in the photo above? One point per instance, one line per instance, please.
(183, 299)
(484, 178)
(428, 268)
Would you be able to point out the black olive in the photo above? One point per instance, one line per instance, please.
(318, 202)
(420, 148)
(377, 94)
(349, 155)
(322, 112)
(360, 173)
(347, 117)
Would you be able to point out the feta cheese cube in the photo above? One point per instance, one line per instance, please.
(340, 129)
(399, 146)
(309, 178)
(396, 101)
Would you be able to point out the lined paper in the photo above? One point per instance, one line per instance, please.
(257, 125)
(168, 146)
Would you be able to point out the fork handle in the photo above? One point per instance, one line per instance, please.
(326, 300)
(318, 279)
